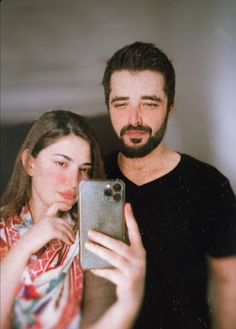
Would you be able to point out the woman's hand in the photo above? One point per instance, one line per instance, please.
(129, 262)
(49, 227)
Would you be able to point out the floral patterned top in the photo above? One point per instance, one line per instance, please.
(50, 289)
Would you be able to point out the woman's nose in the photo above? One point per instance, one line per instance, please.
(72, 180)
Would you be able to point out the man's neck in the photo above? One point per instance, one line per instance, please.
(146, 169)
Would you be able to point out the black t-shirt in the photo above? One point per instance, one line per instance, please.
(184, 217)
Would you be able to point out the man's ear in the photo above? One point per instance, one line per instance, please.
(28, 162)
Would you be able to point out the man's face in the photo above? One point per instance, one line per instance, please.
(138, 110)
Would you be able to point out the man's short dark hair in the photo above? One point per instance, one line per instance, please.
(141, 56)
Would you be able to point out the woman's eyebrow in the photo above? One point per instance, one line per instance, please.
(64, 156)
(70, 159)
(87, 164)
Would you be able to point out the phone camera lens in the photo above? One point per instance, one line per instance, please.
(117, 197)
(108, 191)
(117, 187)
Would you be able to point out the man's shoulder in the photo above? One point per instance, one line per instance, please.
(200, 170)
(195, 163)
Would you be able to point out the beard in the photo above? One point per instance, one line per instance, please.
(140, 151)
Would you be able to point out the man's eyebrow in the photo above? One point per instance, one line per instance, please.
(152, 98)
(119, 98)
(144, 97)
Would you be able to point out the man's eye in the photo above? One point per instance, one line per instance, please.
(120, 105)
(151, 105)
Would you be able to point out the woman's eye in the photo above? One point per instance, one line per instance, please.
(61, 163)
(86, 171)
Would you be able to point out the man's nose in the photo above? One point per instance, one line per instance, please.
(135, 117)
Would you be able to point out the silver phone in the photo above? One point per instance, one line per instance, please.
(101, 208)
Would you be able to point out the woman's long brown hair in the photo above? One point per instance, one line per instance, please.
(50, 127)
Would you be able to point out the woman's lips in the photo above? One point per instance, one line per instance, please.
(68, 195)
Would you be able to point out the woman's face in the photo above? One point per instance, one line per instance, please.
(56, 172)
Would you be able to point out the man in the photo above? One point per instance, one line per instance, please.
(185, 209)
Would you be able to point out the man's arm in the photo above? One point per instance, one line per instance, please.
(222, 289)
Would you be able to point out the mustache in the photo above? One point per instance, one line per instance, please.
(137, 128)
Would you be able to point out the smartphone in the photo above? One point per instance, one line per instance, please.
(101, 208)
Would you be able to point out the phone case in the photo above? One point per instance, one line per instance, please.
(101, 207)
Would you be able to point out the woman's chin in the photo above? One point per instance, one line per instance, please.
(66, 207)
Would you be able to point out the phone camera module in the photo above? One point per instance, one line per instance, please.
(108, 191)
(117, 197)
(117, 187)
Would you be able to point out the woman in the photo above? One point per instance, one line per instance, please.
(42, 284)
